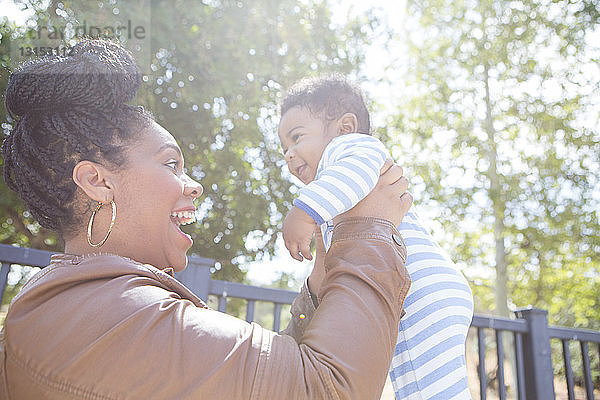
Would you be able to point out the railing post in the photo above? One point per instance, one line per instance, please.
(4, 278)
(196, 276)
(539, 376)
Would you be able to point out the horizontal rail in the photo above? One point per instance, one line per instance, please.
(24, 256)
(240, 290)
(501, 324)
(585, 335)
(41, 258)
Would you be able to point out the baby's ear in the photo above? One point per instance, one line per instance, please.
(348, 123)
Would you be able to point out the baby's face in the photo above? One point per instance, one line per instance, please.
(303, 139)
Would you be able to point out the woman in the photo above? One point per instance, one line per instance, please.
(107, 320)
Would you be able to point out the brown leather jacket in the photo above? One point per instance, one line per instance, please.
(106, 327)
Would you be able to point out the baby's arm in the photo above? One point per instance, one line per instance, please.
(350, 169)
(298, 228)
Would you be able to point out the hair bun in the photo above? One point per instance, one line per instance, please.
(97, 74)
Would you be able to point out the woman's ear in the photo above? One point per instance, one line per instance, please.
(94, 180)
(348, 123)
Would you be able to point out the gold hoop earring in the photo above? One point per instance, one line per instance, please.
(112, 223)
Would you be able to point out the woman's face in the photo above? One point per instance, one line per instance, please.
(154, 197)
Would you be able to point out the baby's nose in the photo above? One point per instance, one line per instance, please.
(289, 154)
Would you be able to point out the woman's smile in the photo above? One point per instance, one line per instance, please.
(184, 217)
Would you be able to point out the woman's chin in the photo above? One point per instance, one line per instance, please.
(179, 262)
(179, 267)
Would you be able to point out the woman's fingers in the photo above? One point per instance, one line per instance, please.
(400, 185)
(386, 165)
(391, 175)
(406, 200)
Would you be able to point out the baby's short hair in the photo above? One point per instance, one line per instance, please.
(329, 97)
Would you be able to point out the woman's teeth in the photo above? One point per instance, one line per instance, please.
(184, 217)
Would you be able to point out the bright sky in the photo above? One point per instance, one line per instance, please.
(13, 11)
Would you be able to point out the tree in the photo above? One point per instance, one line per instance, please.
(498, 121)
(213, 74)
(16, 225)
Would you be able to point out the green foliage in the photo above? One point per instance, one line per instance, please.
(17, 277)
(498, 123)
(213, 75)
(16, 225)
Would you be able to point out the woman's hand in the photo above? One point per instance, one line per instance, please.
(388, 200)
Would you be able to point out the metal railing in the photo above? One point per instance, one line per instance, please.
(530, 332)
(532, 338)
(196, 277)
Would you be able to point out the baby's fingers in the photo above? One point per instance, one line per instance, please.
(296, 256)
(305, 251)
(293, 249)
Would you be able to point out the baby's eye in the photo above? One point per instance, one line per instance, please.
(296, 137)
(173, 164)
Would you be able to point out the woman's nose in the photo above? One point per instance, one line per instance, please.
(192, 188)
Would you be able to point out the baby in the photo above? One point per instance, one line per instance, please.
(325, 136)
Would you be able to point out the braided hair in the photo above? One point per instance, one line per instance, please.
(329, 97)
(68, 109)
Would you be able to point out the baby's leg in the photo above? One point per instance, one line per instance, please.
(429, 359)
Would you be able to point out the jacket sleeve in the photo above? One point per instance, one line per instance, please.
(344, 352)
(302, 310)
(348, 171)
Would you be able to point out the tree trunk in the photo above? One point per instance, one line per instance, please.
(498, 205)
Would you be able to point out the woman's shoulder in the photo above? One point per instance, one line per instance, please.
(69, 267)
(87, 309)
(101, 284)
(115, 273)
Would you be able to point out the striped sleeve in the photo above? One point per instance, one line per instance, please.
(348, 171)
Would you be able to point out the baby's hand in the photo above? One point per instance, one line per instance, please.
(298, 228)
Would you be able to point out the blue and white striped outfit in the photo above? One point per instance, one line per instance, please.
(429, 359)
(347, 172)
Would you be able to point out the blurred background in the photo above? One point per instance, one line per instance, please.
(491, 106)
